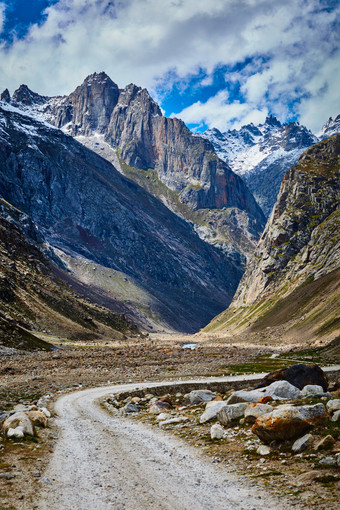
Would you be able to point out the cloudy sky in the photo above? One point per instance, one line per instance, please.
(219, 63)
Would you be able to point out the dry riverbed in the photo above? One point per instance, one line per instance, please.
(24, 378)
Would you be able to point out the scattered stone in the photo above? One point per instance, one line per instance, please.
(336, 416)
(19, 424)
(277, 390)
(216, 431)
(45, 411)
(263, 450)
(228, 413)
(253, 411)
(287, 422)
(159, 407)
(198, 396)
(163, 416)
(337, 458)
(302, 443)
(327, 461)
(38, 417)
(135, 400)
(211, 410)
(326, 443)
(299, 375)
(7, 476)
(170, 421)
(333, 405)
(313, 390)
(131, 408)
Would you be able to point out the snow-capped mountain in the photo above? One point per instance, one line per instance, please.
(262, 154)
(330, 128)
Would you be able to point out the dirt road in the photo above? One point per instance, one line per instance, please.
(103, 462)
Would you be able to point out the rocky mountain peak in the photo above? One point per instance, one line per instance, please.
(330, 128)
(271, 120)
(5, 96)
(27, 97)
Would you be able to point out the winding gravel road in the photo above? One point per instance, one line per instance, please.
(102, 462)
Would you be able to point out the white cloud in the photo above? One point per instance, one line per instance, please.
(144, 41)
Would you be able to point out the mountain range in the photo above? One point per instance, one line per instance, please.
(137, 221)
(134, 252)
(262, 154)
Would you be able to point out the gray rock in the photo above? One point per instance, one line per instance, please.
(337, 458)
(312, 390)
(277, 390)
(302, 443)
(172, 421)
(131, 408)
(7, 476)
(228, 413)
(328, 461)
(159, 407)
(198, 396)
(211, 410)
(163, 416)
(216, 431)
(333, 405)
(263, 450)
(253, 411)
(336, 416)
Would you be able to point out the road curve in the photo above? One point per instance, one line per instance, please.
(103, 462)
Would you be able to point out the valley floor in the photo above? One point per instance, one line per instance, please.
(26, 377)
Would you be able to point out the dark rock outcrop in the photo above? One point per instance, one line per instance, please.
(298, 375)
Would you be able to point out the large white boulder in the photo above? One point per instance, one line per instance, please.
(253, 411)
(228, 413)
(19, 420)
(211, 410)
(277, 390)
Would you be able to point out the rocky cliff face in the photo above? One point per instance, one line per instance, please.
(87, 209)
(131, 122)
(34, 300)
(331, 127)
(298, 252)
(261, 154)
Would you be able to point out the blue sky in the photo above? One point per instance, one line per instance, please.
(219, 63)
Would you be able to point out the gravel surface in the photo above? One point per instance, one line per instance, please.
(102, 462)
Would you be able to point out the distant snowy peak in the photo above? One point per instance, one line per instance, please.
(330, 128)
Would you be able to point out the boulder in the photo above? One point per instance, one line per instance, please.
(298, 375)
(216, 431)
(263, 450)
(327, 461)
(159, 407)
(21, 423)
(313, 390)
(131, 408)
(302, 443)
(336, 416)
(287, 422)
(253, 411)
(38, 417)
(211, 410)
(337, 458)
(277, 390)
(198, 396)
(228, 413)
(326, 443)
(333, 405)
(163, 416)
